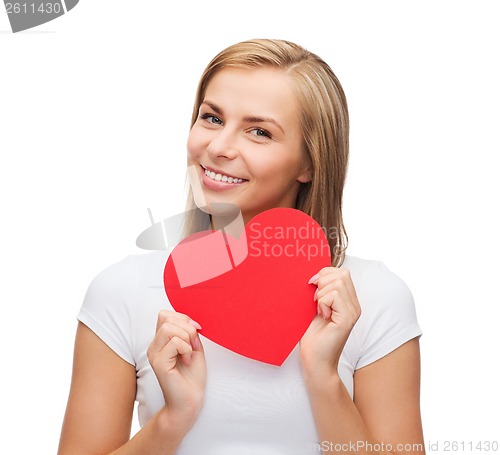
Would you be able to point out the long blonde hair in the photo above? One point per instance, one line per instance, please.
(325, 128)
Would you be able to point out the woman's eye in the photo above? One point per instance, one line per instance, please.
(212, 119)
(259, 132)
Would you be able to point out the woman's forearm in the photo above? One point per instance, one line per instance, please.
(161, 435)
(340, 427)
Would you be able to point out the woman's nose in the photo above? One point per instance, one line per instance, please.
(223, 145)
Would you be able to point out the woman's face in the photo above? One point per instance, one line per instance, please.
(247, 141)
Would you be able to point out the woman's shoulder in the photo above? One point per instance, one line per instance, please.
(388, 315)
(123, 299)
(133, 268)
(124, 282)
(372, 274)
(358, 264)
(379, 289)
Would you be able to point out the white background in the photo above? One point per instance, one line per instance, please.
(94, 115)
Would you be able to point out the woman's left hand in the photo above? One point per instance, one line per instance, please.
(338, 311)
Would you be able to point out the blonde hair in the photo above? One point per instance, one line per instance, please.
(325, 128)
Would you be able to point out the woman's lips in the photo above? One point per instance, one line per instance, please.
(217, 183)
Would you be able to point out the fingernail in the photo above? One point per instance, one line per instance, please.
(197, 343)
(195, 324)
(315, 295)
(313, 278)
(319, 311)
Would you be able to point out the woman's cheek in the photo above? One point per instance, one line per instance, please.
(191, 142)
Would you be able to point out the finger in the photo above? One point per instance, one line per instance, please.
(313, 279)
(197, 345)
(329, 288)
(326, 302)
(166, 332)
(345, 285)
(333, 305)
(185, 324)
(330, 274)
(175, 347)
(190, 329)
(323, 272)
(336, 304)
(334, 298)
(340, 280)
(346, 280)
(173, 317)
(166, 316)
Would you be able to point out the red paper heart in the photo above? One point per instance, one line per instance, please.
(261, 307)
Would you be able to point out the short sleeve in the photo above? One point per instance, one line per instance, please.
(388, 316)
(104, 310)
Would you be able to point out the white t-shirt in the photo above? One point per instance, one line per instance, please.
(250, 407)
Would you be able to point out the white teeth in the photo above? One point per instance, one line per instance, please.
(221, 177)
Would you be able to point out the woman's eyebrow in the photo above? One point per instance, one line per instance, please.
(214, 107)
(248, 119)
(253, 119)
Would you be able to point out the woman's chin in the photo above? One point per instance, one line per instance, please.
(216, 207)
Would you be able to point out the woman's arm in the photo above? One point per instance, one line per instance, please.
(385, 413)
(386, 407)
(100, 406)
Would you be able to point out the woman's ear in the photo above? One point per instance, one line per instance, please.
(305, 175)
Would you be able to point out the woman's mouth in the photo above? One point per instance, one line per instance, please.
(219, 177)
(218, 181)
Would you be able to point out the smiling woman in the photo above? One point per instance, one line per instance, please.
(248, 129)
(269, 129)
(290, 98)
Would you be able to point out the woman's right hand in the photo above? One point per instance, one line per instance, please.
(178, 361)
